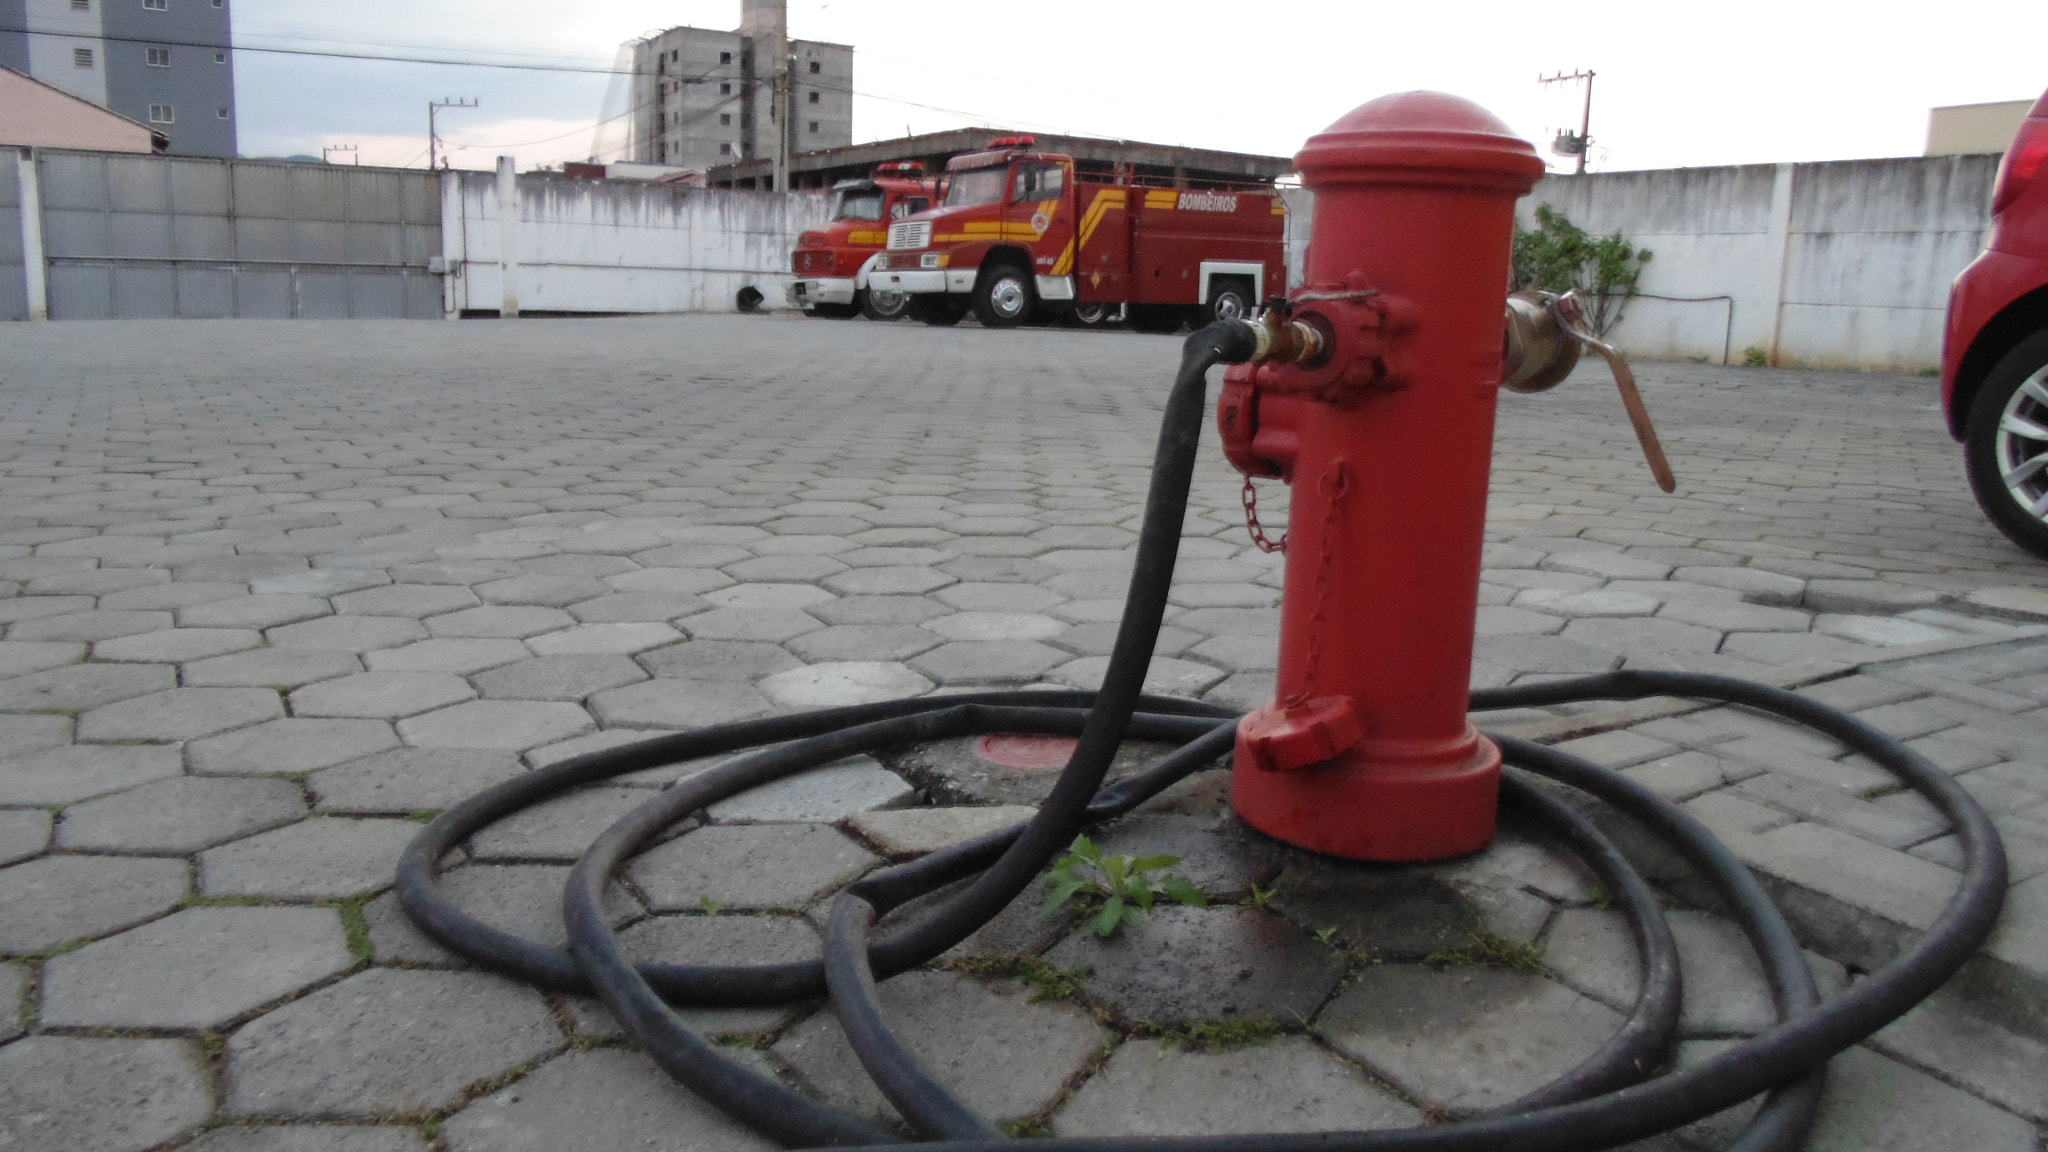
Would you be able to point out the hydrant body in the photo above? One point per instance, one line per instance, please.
(1386, 437)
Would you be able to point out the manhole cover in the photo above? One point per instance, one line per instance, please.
(1018, 750)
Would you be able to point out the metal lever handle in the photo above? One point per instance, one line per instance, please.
(1572, 319)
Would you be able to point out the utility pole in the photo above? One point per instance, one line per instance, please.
(433, 136)
(1566, 143)
(327, 150)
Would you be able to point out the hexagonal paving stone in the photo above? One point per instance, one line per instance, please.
(785, 568)
(181, 814)
(500, 622)
(23, 735)
(177, 645)
(406, 600)
(271, 668)
(75, 772)
(770, 624)
(410, 779)
(958, 1029)
(310, 1138)
(864, 642)
(629, 607)
(851, 682)
(559, 828)
(599, 639)
(52, 899)
(1164, 676)
(291, 745)
(877, 610)
(1150, 1088)
(72, 1094)
(253, 612)
(888, 581)
(748, 866)
(315, 858)
(1465, 1038)
(993, 597)
(21, 657)
(381, 695)
(77, 687)
(718, 660)
(23, 833)
(496, 724)
(179, 714)
(558, 677)
(996, 626)
(385, 1041)
(826, 794)
(670, 703)
(461, 657)
(88, 626)
(988, 661)
(621, 1094)
(1178, 964)
(200, 968)
(319, 582)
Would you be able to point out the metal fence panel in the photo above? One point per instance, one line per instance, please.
(71, 233)
(199, 187)
(139, 235)
(263, 294)
(13, 286)
(318, 193)
(142, 293)
(202, 238)
(206, 293)
(69, 180)
(422, 296)
(138, 184)
(323, 295)
(375, 297)
(261, 191)
(320, 241)
(81, 292)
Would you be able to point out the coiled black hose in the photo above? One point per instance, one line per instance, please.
(1608, 1100)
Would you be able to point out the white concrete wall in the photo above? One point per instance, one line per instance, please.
(603, 246)
(1838, 265)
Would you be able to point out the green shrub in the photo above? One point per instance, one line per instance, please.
(1560, 256)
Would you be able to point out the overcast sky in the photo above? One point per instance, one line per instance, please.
(1740, 81)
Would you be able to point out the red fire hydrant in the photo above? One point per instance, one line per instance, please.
(1381, 420)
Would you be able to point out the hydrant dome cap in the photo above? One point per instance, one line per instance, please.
(1421, 132)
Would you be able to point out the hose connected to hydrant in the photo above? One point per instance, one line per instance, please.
(1608, 1100)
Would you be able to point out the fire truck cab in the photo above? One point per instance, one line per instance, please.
(831, 264)
(1021, 232)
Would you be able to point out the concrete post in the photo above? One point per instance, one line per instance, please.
(34, 268)
(508, 236)
(454, 245)
(1780, 244)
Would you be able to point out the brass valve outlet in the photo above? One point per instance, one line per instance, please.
(1545, 332)
(1287, 340)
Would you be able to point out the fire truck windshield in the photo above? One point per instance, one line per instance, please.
(983, 186)
(858, 204)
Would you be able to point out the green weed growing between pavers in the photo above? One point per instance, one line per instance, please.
(1489, 950)
(1048, 980)
(1223, 1034)
(1115, 890)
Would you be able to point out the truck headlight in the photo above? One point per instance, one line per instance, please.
(932, 260)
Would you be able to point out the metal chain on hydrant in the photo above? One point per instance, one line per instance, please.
(1250, 498)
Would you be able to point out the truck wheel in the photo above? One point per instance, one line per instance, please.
(1156, 319)
(1094, 315)
(833, 311)
(935, 308)
(2005, 443)
(881, 304)
(1003, 297)
(1229, 300)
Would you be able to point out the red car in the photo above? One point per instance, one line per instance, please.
(1994, 362)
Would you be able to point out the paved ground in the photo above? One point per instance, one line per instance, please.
(272, 592)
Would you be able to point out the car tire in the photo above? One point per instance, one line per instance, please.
(1229, 299)
(936, 309)
(883, 305)
(2005, 444)
(1004, 297)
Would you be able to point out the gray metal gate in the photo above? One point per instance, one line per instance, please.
(13, 289)
(133, 237)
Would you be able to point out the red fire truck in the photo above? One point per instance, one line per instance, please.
(832, 263)
(1020, 231)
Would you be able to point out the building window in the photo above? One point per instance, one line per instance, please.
(814, 67)
(155, 5)
(725, 57)
(725, 89)
(725, 117)
(814, 125)
(220, 3)
(81, 57)
(82, 5)
(814, 97)
(725, 149)
(221, 115)
(220, 57)
(162, 114)
(157, 57)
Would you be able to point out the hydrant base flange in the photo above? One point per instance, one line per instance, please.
(1362, 806)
